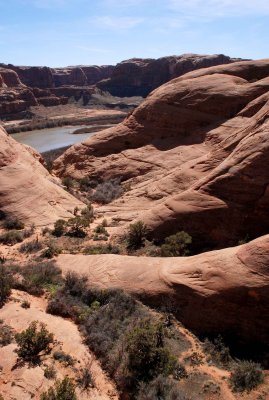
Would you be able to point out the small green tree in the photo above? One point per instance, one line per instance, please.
(147, 355)
(136, 235)
(62, 390)
(5, 285)
(33, 341)
(246, 375)
(176, 245)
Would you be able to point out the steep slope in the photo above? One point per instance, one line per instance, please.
(27, 190)
(215, 285)
(194, 153)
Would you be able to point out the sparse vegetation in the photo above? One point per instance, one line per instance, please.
(6, 334)
(50, 372)
(62, 390)
(36, 277)
(85, 379)
(13, 224)
(25, 304)
(176, 245)
(136, 235)
(102, 249)
(161, 388)
(218, 352)
(32, 341)
(12, 237)
(246, 376)
(31, 247)
(107, 191)
(64, 358)
(68, 182)
(5, 284)
(51, 251)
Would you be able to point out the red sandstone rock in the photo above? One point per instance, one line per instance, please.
(195, 151)
(27, 190)
(224, 291)
(138, 77)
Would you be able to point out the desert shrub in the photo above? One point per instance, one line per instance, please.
(64, 358)
(68, 182)
(87, 183)
(32, 341)
(100, 229)
(12, 237)
(219, 353)
(37, 276)
(107, 191)
(246, 376)
(5, 284)
(51, 251)
(31, 247)
(180, 372)
(75, 284)
(6, 334)
(50, 372)
(160, 388)
(25, 304)
(85, 379)
(147, 355)
(62, 390)
(101, 249)
(176, 245)
(13, 223)
(136, 235)
(59, 228)
(77, 226)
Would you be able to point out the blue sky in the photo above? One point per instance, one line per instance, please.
(71, 32)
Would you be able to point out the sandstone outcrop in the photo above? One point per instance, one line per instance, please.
(27, 190)
(228, 288)
(138, 76)
(194, 153)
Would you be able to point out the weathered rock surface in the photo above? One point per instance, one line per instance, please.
(27, 190)
(138, 76)
(195, 153)
(224, 291)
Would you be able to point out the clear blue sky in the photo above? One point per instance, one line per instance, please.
(70, 32)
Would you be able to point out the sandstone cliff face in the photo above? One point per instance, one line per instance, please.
(229, 287)
(195, 153)
(27, 190)
(138, 77)
(40, 77)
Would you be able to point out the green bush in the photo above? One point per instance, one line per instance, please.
(246, 376)
(75, 284)
(12, 237)
(32, 341)
(219, 353)
(6, 334)
(59, 228)
(101, 249)
(176, 245)
(51, 251)
(136, 235)
(68, 182)
(13, 223)
(64, 358)
(5, 284)
(147, 355)
(85, 379)
(62, 390)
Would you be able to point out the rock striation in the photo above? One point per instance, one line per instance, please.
(27, 190)
(194, 154)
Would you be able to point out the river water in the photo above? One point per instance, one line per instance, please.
(52, 138)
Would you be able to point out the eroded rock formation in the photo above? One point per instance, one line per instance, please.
(195, 152)
(27, 190)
